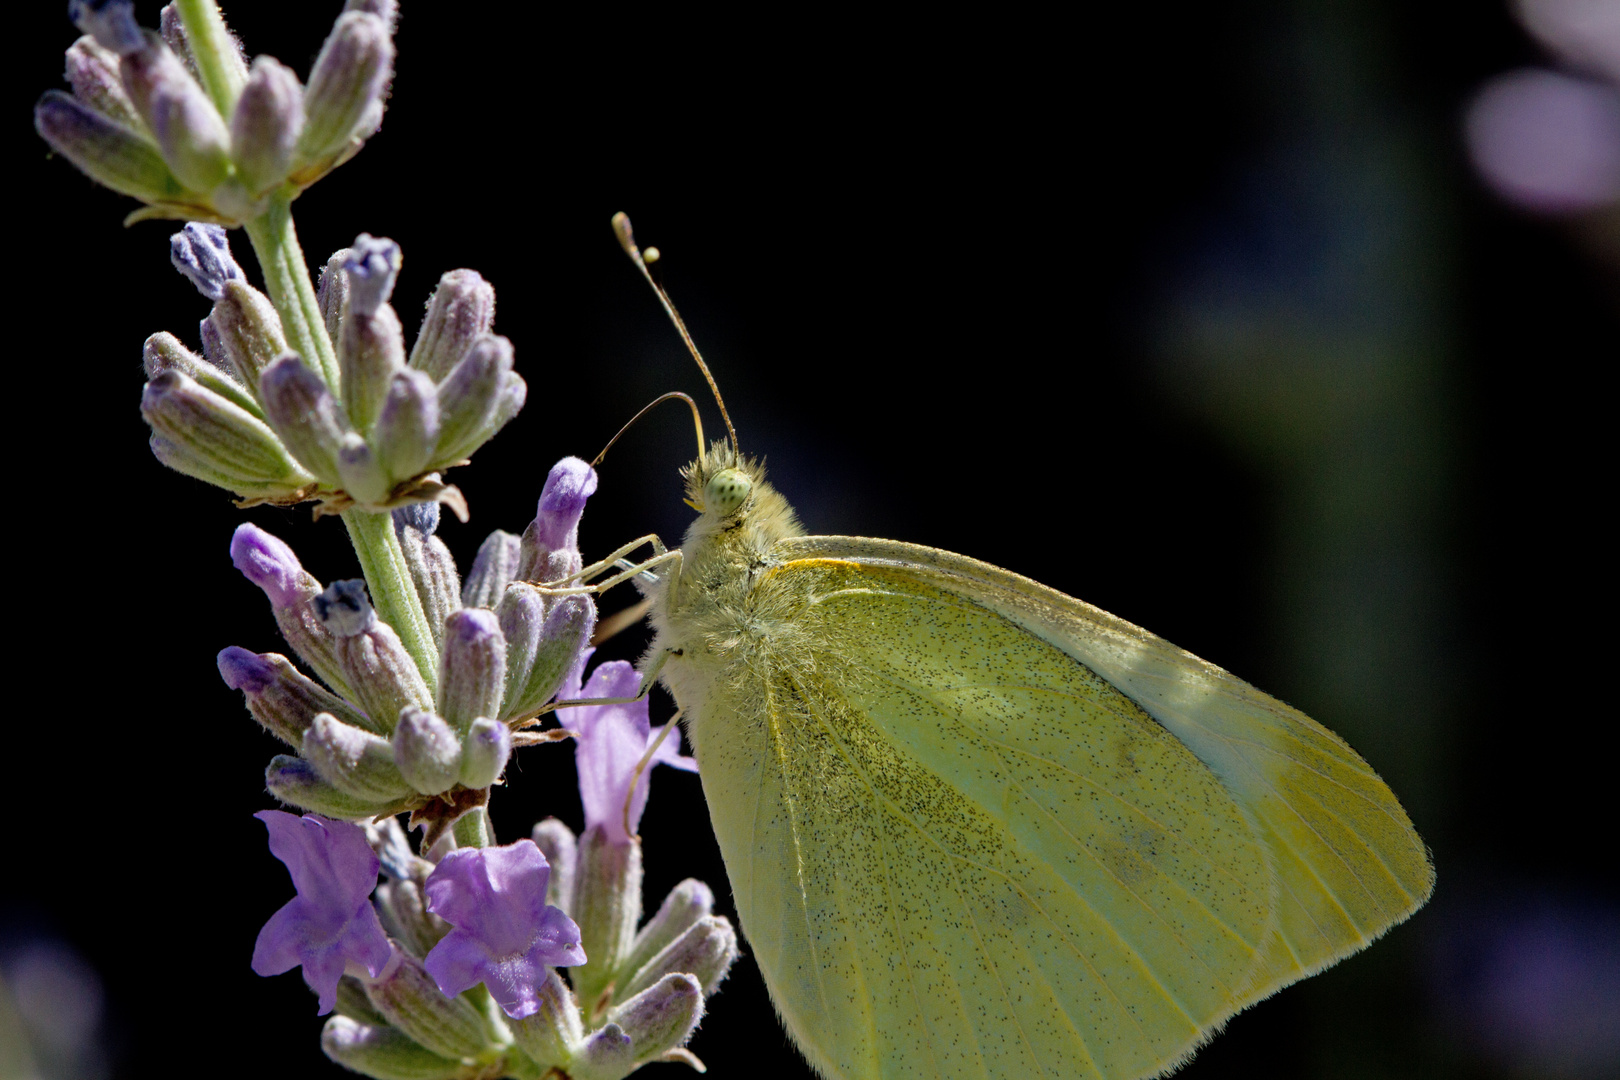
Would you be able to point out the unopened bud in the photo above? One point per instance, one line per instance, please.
(427, 751)
(380, 673)
(557, 843)
(408, 996)
(484, 752)
(353, 761)
(408, 427)
(493, 567)
(550, 1034)
(110, 22)
(606, 905)
(209, 437)
(344, 99)
(202, 253)
(249, 329)
(105, 150)
(333, 293)
(705, 951)
(280, 697)
(270, 564)
(92, 70)
(432, 567)
(662, 1016)
(359, 472)
(164, 352)
(551, 541)
(461, 311)
(294, 780)
(265, 127)
(543, 645)
(472, 668)
(468, 397)
(607, 1054)
(685, 904)
(371, 351)
(189, 131)
(383, 1051)
(406, 918)
(305, 414)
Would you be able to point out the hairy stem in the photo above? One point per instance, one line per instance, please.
(219, 62)
(286, 281)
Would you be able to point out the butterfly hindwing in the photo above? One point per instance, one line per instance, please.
(999, 865)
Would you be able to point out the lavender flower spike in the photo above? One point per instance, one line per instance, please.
(330, 925)
(611, 740)
(505, 934)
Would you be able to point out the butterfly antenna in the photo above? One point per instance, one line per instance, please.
(627, 240)
(697, 422)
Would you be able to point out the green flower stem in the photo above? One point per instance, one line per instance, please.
(388, 579)
(471, 829)
(219, 61)
(286, 280)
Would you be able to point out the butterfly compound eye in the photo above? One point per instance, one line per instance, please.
(726, 491)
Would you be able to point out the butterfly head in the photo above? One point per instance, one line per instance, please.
(729, 490)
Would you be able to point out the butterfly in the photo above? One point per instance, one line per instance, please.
(976, 828)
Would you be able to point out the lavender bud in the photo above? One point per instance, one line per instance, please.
(493, 566)
(270, 564)
(295, 781)
(542, 652)
(484, 753)
(408, 996)
(427, 752)
(380, 673)
(305, 415)
(408, 428)
(344, 99)
(92, 70)
(386, 10)
(105, 150)
(280, 697)
(353, 1003)
(355, 762)
(172, 29)
(686, 903)
(189, 131)
(514, 392)
(266, 124)
(461, 311)
(662, 1016)
(374, 1050)
(110, 22)
(550, 1034)
(164, 352)
(705, 951)
(333, 293)
(373, 265)
(606, 1052)
(205, 430)
(249, 331)
(371, 350)
(394, 852)
(420, 517)
(472, 667)
(406, 918)
(433, 569)
(551, 541)
(606, 905)
(557, 843)
(468, 397)
(202, 253)
(359, 472)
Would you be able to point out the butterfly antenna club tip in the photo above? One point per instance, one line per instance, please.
(627, 240)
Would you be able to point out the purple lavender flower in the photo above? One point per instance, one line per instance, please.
(330, 925)
(611, 740)
(505, 935)
(269, 563)
(562, 501)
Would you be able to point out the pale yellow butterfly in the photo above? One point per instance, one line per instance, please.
(976, 828)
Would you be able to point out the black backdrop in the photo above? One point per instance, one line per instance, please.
(970, 281)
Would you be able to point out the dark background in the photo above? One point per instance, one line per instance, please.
(1193, 311)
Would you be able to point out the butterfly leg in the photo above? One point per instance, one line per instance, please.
(641, 767)
(633, 570)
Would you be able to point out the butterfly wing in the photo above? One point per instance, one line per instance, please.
(1347, 861)
(996, 863)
